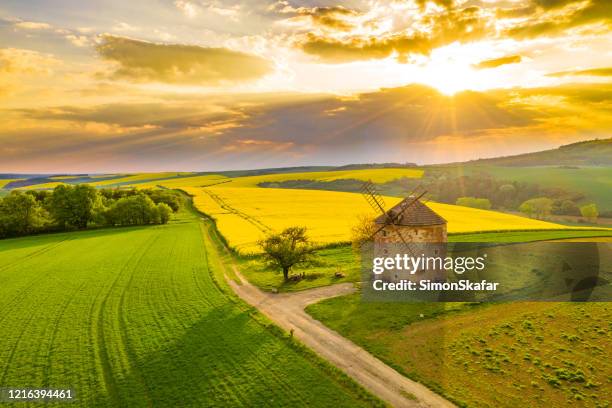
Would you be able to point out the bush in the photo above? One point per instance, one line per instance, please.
(589, 212)
(539, 207)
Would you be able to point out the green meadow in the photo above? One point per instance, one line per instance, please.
(141, 316)
(490, 355)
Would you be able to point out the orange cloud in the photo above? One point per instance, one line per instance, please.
(143, 61)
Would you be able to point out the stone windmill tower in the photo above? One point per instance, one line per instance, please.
(410, 227)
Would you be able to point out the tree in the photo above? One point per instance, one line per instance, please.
(569, 207)
(287, 249)
(165, 212)
(20, 214)
(541, 207)
(506, 192)
(482, 203)
(134, 210)
(170, 198)
(362, 231)
(73, 205)
(589, 212)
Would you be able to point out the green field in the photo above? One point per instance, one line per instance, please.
(530, 236)
(504, 355)
(141, 317)
(594, 182)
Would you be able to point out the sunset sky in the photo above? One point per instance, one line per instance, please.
(118, 86)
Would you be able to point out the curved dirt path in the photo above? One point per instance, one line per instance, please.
(287, 311)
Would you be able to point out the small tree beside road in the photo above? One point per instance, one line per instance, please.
(287, 249)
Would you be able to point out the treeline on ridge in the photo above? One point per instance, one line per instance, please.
(71, 207)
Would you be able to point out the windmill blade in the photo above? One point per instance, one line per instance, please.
(393, 219)
(375, 200)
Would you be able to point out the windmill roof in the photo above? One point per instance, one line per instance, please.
(417, 214)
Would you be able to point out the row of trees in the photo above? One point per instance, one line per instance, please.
(539, 207)
(542, 207)
(500, 193)
(81, 206)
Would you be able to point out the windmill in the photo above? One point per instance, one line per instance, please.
(392, 218)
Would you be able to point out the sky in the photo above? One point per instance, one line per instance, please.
(195, 85)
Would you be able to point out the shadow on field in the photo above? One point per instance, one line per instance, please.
(225, 359)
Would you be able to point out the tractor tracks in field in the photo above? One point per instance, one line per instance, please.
(102, 346)
(287, 311)
(223, 204)
(6, 308)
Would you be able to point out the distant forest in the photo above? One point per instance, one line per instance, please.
(82, 206)
(471, 190)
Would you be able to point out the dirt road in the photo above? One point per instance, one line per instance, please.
(287, 311)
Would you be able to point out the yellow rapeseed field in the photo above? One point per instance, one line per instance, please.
(376, 175)
(193, 181)
(43, 186)
(4, 182)
(246, 214)
(136, 178)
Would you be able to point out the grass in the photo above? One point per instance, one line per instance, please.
(338, 259)
(141, 317)
(246, 214)
(530, 236)
(503, 355)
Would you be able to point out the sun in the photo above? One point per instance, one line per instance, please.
(451, 69)
(450, 78)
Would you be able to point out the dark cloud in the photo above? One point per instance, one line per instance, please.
(497, 62)
(462, 25)
(553, 4)
(603, 72)
(412, 123)
(355, 49)
(335, 18)
(332, 17)
(159, 115)
(544, 18)
(143, 61)
(552, 24)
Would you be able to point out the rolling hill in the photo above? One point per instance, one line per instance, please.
(596, 152)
